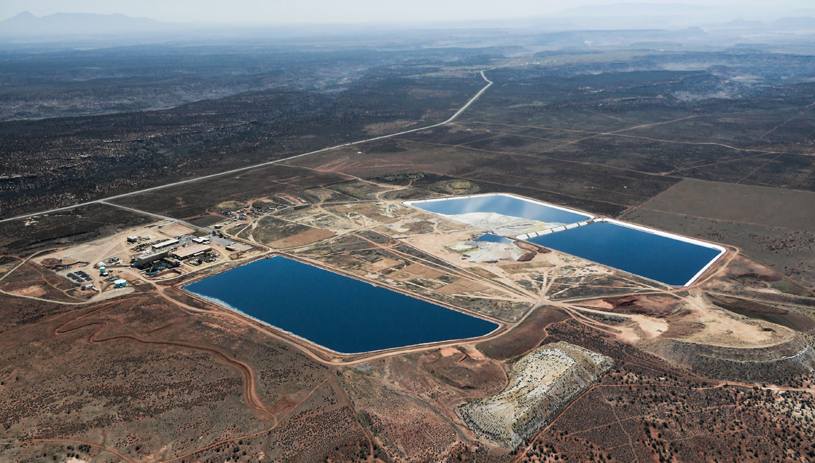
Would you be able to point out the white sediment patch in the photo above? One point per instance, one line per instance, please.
(485, 251)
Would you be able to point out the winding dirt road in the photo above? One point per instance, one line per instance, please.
(249, 380)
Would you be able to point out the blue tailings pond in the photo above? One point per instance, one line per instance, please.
(501, 204)
(658, 257)
(340, 313)
(490, 238)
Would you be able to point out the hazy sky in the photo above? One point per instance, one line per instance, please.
(335, 11)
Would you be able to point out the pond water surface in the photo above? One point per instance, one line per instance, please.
(332, 310)
(670, 260)
(501, 204)
(490, 238)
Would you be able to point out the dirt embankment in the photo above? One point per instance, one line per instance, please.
(768, 364)
(755, 310)
(658, 306)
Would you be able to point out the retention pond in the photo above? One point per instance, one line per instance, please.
(664, 257)
(503, 204)
(334, 311)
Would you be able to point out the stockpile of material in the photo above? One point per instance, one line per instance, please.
(541, 383)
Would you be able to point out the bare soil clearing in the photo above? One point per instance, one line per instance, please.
(302, 239)
(771, 207)
(175, 229)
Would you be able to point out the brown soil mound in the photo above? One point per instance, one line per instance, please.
(461, 371)
(653, 306)
(532, 247)
(527, 256)
(50, 262)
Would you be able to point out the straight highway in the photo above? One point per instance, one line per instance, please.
(255, 166)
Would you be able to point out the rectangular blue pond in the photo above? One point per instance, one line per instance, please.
(340, 313)
(501, 204)
(675, 261)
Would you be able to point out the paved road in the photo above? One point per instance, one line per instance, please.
(269, 163)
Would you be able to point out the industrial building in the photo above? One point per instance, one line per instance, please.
(165, 244)
(190, 251)
(147, 258)
(238, 247)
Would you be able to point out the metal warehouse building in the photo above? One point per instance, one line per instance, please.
(190, 251)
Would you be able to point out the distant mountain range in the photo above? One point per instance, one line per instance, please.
(26, 24)
(795, 23)
(634, 10)
(637, 15)
(621, 16)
